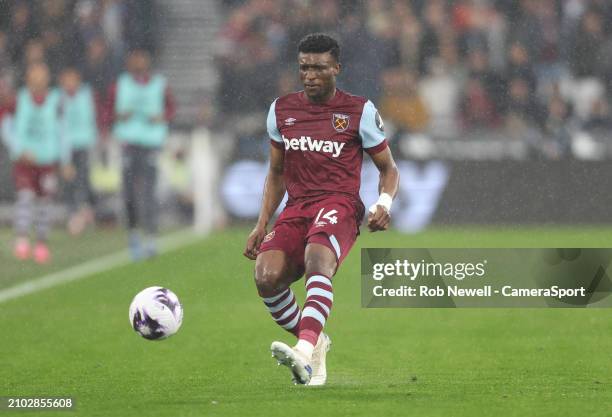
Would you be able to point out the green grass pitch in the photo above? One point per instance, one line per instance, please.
(75, 340)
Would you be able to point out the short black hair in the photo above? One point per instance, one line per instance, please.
(319, 43)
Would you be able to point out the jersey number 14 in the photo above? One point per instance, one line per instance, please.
(329, 216)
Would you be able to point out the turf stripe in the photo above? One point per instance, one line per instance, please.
(89, 268)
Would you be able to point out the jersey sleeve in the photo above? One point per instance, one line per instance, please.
(271, 125)
(371, 129)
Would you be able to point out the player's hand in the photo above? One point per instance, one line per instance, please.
(379, 219)
(254, 240)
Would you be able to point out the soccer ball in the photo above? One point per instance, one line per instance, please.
(156, 313)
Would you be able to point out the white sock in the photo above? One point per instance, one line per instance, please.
(306, 348)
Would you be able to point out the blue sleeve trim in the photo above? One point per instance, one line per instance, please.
(271, 125)
(371, 128)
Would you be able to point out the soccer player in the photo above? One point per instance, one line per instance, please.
(318, 136)
(37, 150)
(142, 106)
(80, 130)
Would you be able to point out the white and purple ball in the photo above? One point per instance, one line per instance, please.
(156, 313)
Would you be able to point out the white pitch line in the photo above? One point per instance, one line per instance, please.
(89, 268)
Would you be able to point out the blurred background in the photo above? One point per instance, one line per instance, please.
(498, 111)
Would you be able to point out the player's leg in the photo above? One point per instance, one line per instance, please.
(90, 195)
(149, 204)
(46, 188)
(42, 254)
(70, 191)
(23, 213)
(331, 235)
(274, 273)
(130, 199)
(320, 264)
(80, 194)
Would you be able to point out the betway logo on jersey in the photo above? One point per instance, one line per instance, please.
(306, 143)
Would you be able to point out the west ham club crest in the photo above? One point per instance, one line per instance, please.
(340, 122)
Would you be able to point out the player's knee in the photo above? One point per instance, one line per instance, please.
(269, 279)
(320, 263)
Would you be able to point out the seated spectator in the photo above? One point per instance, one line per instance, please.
(401, 103)
(440, 92)
(478, 109)
(586, 59)
(519, 64)
(478, 66)
(557, 127)
(522, 106)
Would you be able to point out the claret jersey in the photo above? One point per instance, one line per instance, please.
(324, 143)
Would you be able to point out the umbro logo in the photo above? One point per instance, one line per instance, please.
(290, 121)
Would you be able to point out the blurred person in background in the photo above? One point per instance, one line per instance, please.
(7, 109)
(522, 102)
(142, 106)
(87, 23)
(53, 19)
(479, 67)
(5, 57)
(436, 27)
(587, 61)
(364, 58)
(36, 149)
(440, 91)
(401, 102)
(478, 107)
(33, 54)
(21, 29)
(140, 24)
(111, 22)
(519, 65)
(79, 129)
(557, 127)
(98, 72)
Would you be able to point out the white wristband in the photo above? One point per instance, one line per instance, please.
(384, 200)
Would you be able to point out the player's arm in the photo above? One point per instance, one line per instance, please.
(378, 215)
(274, 191)
(372, 133)
(274, 188)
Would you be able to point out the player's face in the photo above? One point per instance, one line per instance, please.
(70, 81)
(318, 74)
(139, 62)
(38, 79)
